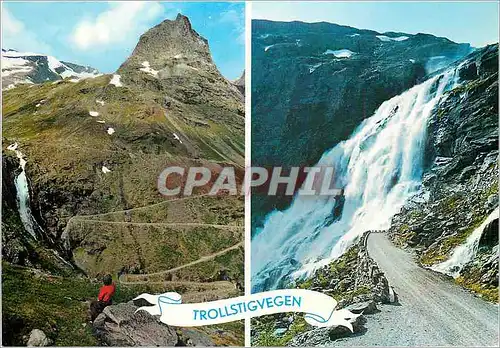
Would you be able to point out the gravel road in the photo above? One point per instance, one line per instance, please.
(432, 310)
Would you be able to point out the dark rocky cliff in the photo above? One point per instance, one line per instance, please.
(312, 84)
(461, 183)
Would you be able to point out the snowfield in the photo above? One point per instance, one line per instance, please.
(387, 38)
(12, 65)
(147, 69)
(115, 80)
(23, 63)
(343, 53)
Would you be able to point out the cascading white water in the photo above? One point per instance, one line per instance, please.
(380, 167)
(464, 253)
(23, 194)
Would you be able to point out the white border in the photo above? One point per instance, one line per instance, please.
(248, 148)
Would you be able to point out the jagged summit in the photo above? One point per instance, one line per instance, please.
(169, 43)
(172, 58)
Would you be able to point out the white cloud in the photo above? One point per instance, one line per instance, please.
(15, 35)
(235, 18)
(116, 25)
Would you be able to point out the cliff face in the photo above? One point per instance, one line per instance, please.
(312, 84)
(461, 183)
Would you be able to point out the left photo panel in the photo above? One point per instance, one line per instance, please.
(123, 156)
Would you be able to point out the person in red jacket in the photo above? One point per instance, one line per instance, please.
(104, 298)
(107, 290)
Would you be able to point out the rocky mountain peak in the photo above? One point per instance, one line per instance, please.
(173, 59)
(172, 44)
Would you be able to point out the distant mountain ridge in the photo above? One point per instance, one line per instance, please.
(28, 67)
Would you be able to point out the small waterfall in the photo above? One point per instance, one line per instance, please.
(464, 253)
(380, 166)
(23, 194)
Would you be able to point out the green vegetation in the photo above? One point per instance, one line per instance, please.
(53, 304)
(59, 307)
(472, 283)
(266, 335)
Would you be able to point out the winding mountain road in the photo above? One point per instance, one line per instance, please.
(432, 310)
(203, 291)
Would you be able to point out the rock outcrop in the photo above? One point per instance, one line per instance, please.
(121, 325)
(174, 59)
(38, 339)
(326, 336)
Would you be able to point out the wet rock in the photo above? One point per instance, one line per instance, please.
(467, 172)
(489, 237)
(468, 72)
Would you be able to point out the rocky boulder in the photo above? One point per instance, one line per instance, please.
(326, 336)
(38, 339)
(121, 325)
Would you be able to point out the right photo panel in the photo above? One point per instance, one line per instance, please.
(374, 134)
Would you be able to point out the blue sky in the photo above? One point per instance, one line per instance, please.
(473, 22)
(103, 34)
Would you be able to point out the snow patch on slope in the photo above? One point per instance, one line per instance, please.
(147, 69)
(343, 53)
(387, 38)
(115, 80)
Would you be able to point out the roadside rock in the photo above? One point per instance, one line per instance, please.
(326, 336)
(368, 307)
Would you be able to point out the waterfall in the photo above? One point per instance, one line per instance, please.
(23, 194)
(464, 253)
(380, 166)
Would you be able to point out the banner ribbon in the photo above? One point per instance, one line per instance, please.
(318, 308)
